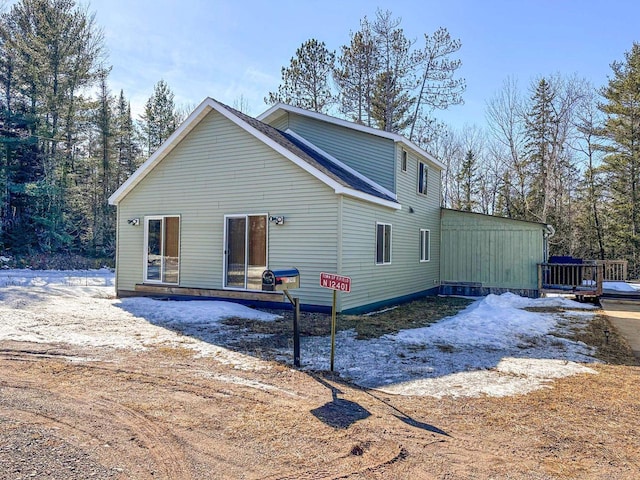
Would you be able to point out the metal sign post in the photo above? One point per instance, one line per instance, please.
(336, 283)
(333, 328)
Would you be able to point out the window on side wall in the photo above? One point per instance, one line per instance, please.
(383, 243)
(425, 245)
(162, 249)
(404, 160)
(422, 178)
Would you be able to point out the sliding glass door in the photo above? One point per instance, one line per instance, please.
(245, 251)
(162, 242)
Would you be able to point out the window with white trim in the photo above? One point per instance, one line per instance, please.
(383, 243)
(423, 178)
(162, 249)
(404, 160)
(425, 245)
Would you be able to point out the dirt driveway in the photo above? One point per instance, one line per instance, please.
(77, 413)
(625, 317)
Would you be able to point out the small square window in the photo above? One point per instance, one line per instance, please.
(422, 178)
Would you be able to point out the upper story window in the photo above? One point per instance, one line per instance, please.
(422, 178)
(383, 243)
(404, 160)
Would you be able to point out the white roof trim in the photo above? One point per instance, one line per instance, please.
(271, 113)
(194, 119)
(350, 192)
(344, 166)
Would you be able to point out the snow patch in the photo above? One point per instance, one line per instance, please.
(190, 312)
(620, 287)
(512, 376)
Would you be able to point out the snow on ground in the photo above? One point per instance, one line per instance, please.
(79, 308)
(621, 286)
(494, 347)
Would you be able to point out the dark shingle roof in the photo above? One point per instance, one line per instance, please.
(311, 156)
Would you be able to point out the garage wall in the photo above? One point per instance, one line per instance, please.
(485, 254)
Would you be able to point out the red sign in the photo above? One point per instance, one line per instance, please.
(335, 282)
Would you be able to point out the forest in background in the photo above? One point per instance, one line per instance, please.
(66, 141)
(558, 151)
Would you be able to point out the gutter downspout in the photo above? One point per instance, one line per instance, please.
(548, 233)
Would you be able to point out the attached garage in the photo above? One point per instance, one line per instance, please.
(483, 254)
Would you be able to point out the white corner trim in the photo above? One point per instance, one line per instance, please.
(342, 165)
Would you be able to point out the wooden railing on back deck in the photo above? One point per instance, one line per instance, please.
(614, 270)
(577, 278)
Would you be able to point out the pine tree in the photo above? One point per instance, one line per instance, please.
(392, 97)
(21, 181)
(103, 231)
(305, 83)
(160, 118)
(622, 160)
(356, 74)
(390, 104)
(541, 128)
(52, 50)
(127, 149)
(468, 178)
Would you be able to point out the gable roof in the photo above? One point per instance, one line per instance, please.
(280, 108)
(323, 167)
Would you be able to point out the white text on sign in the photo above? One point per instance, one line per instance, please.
(335, 282)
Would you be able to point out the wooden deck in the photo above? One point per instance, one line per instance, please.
(581, 279)
(209, 293)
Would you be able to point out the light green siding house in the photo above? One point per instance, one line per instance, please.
(228, 196)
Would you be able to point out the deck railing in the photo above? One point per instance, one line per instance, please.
(614, 270)
(584, 279)
(579, 278)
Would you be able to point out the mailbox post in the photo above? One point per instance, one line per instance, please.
(282, 281)
(336, 283)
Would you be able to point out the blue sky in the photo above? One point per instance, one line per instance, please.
(228, 48)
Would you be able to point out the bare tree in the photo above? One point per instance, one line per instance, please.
(506, 123)
(241, 104)
(437, 87)
(588, 122)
